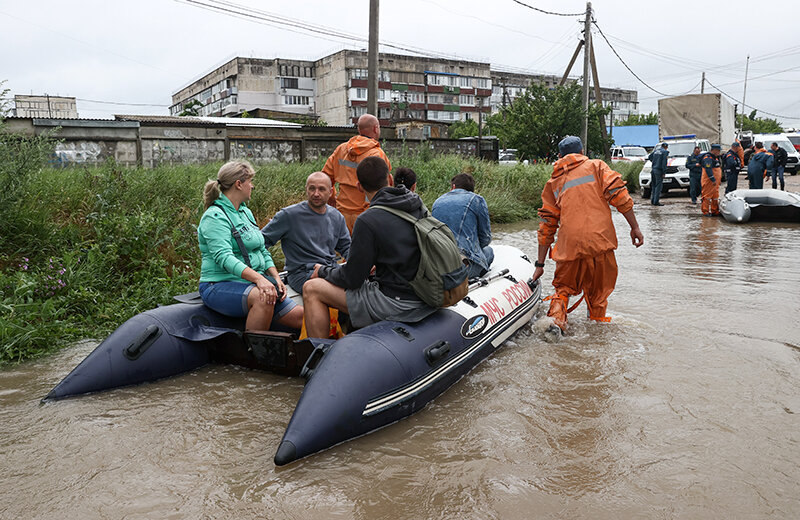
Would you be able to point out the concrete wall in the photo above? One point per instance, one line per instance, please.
(90, 142)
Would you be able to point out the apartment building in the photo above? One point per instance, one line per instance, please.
(247, 84)
(57, 107)
(508, 85)
(334, 89)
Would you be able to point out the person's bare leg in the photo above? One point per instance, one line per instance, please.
(293, 319)
(318, 295)
(259, 315)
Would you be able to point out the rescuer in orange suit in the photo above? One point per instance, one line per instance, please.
(710, 179)
(575, 202)
(341, 167)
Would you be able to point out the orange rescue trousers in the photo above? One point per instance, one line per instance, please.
(710, 193)
(594, 276)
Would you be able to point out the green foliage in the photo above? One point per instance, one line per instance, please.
(459, 129)
(639, 119)
(5, 101)
(541, 117)
(192, 108)
(758, 125)
(630, 173)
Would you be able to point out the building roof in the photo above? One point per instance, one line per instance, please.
(206, 121)
(249, 121)
(638, 135)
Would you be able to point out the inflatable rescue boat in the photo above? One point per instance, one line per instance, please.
(741, 206)
(368, 379)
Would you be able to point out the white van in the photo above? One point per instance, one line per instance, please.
(782, 140)
(676, 176)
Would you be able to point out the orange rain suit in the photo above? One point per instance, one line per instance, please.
(710, 179)
(341, 167)
(575, 202)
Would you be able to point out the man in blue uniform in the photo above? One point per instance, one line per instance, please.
(732, 163)
(693, 165)
(761, 164)
(659, 167)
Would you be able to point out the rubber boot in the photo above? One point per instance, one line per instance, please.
(558, 311)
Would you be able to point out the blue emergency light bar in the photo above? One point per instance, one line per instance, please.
(686, 136)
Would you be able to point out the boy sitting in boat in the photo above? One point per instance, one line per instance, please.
(310, 232)
(380, 239)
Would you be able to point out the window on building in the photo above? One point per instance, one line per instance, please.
(435, 98)
(483, 83)
(383, 75)
(450, 99)
(289, 82)
(384, 113)
(295, 70)
(463, 81)
(466, 99)
(358, 111)
(426, 131)
(283, 70)
(434, 79)
(358, 73)
(361, 93)
(383, 95)
(295, 100)
(401, 133)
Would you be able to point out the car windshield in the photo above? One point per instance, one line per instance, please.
(635, 151)
(786, 145)
(508, 156)
(683, 149)
(795, 139)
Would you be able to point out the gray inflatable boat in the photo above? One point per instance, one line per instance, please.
(741, 206)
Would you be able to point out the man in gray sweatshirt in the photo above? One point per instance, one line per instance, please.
(310, 232)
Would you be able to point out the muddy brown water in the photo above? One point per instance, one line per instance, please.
(685, 406)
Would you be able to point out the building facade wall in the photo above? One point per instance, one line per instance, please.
(45, 106)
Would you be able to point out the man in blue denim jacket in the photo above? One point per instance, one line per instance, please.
(467, 215)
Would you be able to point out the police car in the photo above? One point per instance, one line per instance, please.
(676, 176)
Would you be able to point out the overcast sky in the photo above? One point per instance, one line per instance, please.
(141, 52)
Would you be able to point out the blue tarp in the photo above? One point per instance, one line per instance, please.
(640, 135)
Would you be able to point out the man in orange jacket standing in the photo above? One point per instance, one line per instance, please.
(575, 202)
(341, 167)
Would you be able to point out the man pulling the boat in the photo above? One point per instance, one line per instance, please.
(575, 203)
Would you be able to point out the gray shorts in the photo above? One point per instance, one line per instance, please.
(367, 305)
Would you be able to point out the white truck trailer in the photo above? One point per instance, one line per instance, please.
(707, 116)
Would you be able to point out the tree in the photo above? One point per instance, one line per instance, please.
(192, 108)
(639, 119)
(541, 117)
(5, 101)
(461, 129)
(758, 125)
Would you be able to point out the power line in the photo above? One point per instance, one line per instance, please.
(744, 106)
(121, 104)
(623, 62)
(547, 12)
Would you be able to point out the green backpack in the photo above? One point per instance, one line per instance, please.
(441, 280)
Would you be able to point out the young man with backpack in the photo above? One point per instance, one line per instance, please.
(384, 237)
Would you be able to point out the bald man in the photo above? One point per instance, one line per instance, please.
(341, 168)
(310, 232)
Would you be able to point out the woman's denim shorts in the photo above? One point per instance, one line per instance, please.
(230, 298)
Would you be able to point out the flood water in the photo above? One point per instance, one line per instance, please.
(687, 405)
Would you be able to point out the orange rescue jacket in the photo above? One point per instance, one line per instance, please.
(575, 202)
(341, 167)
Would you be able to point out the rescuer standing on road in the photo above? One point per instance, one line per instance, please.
(710, 181)
(732, 162)
(575, 202)
(658, 161)
(693, 165)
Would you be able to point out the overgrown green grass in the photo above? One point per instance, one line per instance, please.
(84, 249)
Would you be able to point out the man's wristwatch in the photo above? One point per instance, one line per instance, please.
(538, 264)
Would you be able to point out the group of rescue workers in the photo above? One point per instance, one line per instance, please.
(380, 248)
(708, 169)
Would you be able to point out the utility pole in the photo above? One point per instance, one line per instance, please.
(372, 60)
(571, 63)
(587, 45)
(703, 84)
(598, 98)
(480, 122)
(744, 94)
